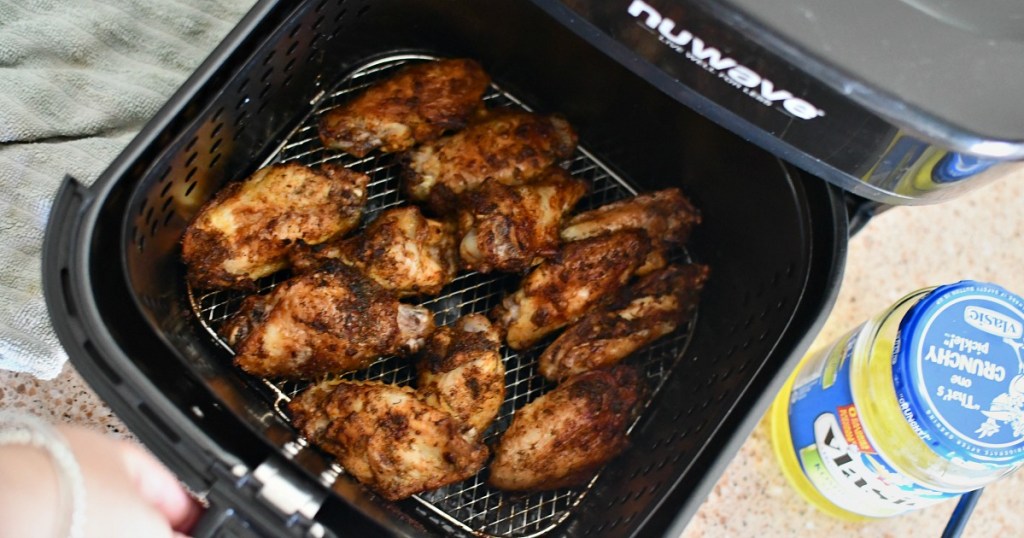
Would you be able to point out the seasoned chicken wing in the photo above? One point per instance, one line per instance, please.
(248, 229)
(562, 438)
(387, 436)
(461, 372)
(565, 287)
(511, 228)
(511, 146)
(418, 103)
(652, 307)
(667, 216)
(401, 250)
(330, 321)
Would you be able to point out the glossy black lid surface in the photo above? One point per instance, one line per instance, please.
(950, 70)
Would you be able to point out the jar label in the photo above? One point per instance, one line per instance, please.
(964, 375)
(833, 448)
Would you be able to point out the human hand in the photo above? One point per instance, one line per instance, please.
(127, 491)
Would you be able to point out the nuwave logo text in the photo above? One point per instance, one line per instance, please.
(710, 58)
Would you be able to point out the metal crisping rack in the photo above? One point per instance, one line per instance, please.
(471, 505)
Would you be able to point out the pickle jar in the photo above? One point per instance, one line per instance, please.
(922, 403)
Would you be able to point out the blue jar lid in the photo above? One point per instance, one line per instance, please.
(958, 369)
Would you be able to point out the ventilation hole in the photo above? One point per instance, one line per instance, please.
(636, 497)
(216, 129)
(288, 66)
(216, 144)
(762, 336)
(242, 102)
(262, 107)
(214, 160)
(191, 143)
(190, 188)
(244, 85)
(152, 228)
(320, 6)
(149, 215)
(191, 159)
(191, 173)
(263, 92)
(764, 313)
(292, 48)
(167, 219)
(166, 204)
(316, 39)
(338, 17)
(163, 191)
(142, 207)
(294, 32)
(269, 57)
(216, 115)
(615, 523)
(142, 243)
(319, 20)
(287, 80)
(362, 11)
(266, 75)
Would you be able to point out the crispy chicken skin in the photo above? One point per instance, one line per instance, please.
(667, 216)
(511, 146)
(461, 372)
(401, 250)
(417, 104)
(387, 436)
(329, 321)
(563, 437)
(511, 228)
(652, 307)
(248, 229)
(564, 288)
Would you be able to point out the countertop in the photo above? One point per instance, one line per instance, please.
(978, 236)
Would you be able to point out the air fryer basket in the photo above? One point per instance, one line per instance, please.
(775, 242)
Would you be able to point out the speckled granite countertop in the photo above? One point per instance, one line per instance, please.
(978, 236)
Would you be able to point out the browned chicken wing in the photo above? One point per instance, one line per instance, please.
(511, 228)
(416, 104)
(562, 438)
(461, 372)
(401, 250)
(643, 312)
(564, 288)
(511, 146)
(330, 321)
(248, 229)
(387, 436)
(667, 216)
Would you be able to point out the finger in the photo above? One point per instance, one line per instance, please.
(159, 487)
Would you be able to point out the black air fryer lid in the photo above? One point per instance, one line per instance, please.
(900, 101)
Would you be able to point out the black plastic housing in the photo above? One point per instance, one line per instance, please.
(774, 238)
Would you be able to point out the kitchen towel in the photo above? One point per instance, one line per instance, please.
(78, 78)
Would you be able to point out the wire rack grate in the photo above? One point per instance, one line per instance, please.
(471, 505)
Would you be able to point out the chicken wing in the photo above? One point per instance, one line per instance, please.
(387, 436)
(461, 372)
(330, 321)
(564, 288)
(401, 250)
(667, 216)
(248, 229)
(562, 438)
(511, 146)
(643, 312)
(511, 228)
(417, 104)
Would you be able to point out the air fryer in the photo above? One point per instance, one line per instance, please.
(773, 234)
